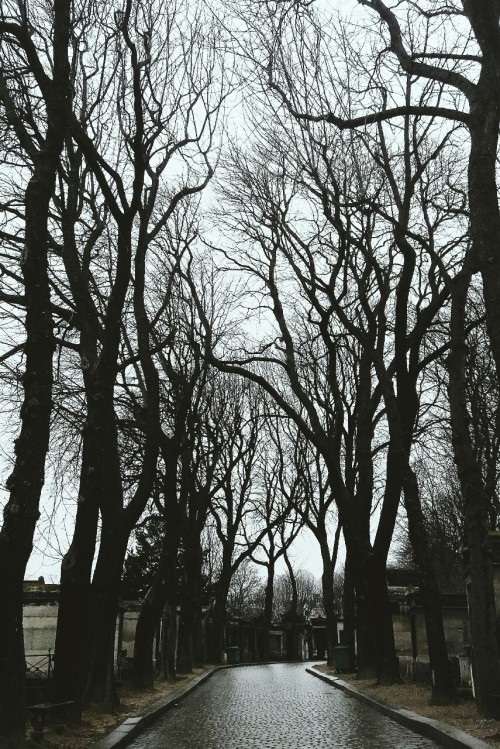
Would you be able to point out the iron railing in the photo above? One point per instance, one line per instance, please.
(40, 665)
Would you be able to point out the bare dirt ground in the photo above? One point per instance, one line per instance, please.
(96, 724)
(416, 697)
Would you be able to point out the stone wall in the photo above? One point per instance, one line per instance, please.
(410, 631)
(130, 617)
(39, 624)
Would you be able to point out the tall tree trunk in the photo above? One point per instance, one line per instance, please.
(294, 605)
(101, 485)
(171, 552)
(76, 567)
(196, 583)
(372, 595)
(162, 598)
(218, 637)
(117, 525)
(26, 480)
(354, 516)
(79, 623)
(380, 611)
(220, 616)
(349, 612)
(359, 558)
(484, 209)
(147, 625)
(190, 645)
(268, 608)
(443, 687)
(185, 656)
(328, 600)
(144, 671)
(359, 550)
(169, 638)
(366, 634)
(76, 570)
(378, 594)
(482, 610)
(100, 683)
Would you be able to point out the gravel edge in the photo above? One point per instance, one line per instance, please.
(442, 733)
(134, 726)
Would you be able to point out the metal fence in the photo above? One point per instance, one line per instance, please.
(40, 665)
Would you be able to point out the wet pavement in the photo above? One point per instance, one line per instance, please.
(278, 706)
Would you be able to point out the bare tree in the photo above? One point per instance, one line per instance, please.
(132, 173)
(275, 510)
(341, 293)
(457, 65)
(300, 585)
(30, 48)
(244, 590)
(182, 380)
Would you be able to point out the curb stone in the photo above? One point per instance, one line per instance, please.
(442, 733)
(135, 725)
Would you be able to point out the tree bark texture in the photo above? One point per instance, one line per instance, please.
(162, 598)
(76, 570)
(294, 605)
(220, 616)
(190, 646)
(328, 601)
(268, 608)
(349, 612)
(169, 639)
(484, 122)
(26, 480)
(149, 620)
(100, 684)
(482, 610)
(359, 556)
(144, 671)
(387, 664)
(443, 686)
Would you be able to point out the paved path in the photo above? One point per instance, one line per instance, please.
(274, 707)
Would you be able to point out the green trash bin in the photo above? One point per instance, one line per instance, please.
(233, 654)
(341, 658)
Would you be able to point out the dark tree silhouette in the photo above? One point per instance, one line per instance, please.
(26, 87)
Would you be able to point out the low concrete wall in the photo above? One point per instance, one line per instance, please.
(39, 624)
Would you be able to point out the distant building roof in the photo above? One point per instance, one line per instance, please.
(317, 612)
(402, 577)
(38, 591)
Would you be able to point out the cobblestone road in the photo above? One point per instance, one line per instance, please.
(274, 707)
